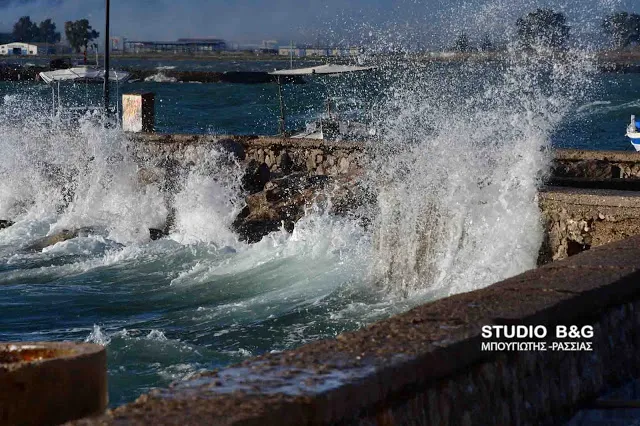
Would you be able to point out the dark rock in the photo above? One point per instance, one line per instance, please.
(285, 162)
(5, 224)
(255, 177)
(156, 234)
(254, 230)
(233, 147)
(283, 202)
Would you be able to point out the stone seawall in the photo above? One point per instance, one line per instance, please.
(331, 158)
(574, 219)
(314, 157)
(427, 366)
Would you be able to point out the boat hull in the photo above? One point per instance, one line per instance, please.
(634, 138)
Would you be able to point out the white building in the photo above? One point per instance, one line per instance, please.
(18, 49)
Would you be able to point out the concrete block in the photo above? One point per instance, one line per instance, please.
(138, 112)
(51, 383)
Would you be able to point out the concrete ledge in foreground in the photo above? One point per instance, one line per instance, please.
(427, 366)
(45, 383)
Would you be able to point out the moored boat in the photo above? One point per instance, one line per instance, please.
(633, 132)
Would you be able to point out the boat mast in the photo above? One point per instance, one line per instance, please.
(281, 121)
(106, 58)
(291, 54)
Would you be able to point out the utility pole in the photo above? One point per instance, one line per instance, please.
(107, 41)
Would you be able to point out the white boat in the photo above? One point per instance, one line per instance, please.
(329, 126)
(633, 132)
(88, 74)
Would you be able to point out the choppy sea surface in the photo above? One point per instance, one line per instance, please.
(470, 139)
(599, 123)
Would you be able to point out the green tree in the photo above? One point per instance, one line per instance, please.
(47, 32)
(462, 43)
(25, 30)
(79, 34)
(623, 27)
(544, 27)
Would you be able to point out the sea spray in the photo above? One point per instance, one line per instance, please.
(457, 170)
(209, 200)
(106, 191)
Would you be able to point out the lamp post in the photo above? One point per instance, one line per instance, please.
(106, 58)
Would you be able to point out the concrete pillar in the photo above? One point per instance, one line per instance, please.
(51, 383)
(138, 112)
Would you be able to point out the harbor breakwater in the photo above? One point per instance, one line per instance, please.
(285, 176)
(590, 198)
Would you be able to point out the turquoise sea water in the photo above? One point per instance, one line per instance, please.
(201, 299)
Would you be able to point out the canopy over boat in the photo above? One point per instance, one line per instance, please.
(322, 69)
(83, 74)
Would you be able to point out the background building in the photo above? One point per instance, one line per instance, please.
(288, 50)
(182, 45)
(18, 49)
(33, 49)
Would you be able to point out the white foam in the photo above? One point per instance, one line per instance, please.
(458, 172)
(160, 78)
(97, 336)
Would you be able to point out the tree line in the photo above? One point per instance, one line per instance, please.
(547, 28)
(79, 33)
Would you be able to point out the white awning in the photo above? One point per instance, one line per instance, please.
(83, 73)
(322, 69)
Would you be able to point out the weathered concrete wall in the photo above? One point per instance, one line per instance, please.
(578, 219)
(427, 366)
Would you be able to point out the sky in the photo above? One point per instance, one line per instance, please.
(426, 22)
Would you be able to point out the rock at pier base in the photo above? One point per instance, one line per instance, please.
(283, 202)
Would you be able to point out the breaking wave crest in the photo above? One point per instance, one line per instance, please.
(462, 155)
